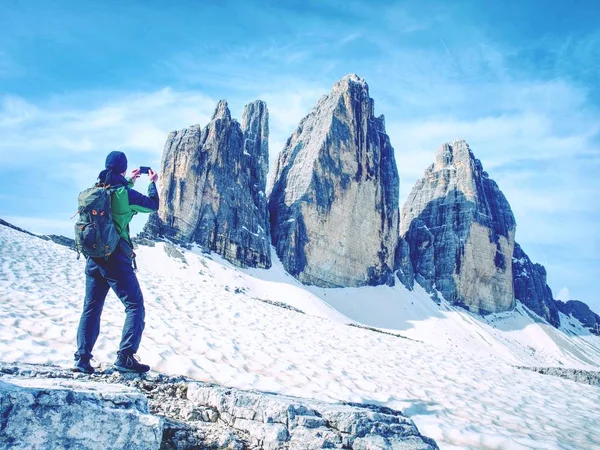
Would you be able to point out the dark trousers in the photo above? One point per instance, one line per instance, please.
(117, 274)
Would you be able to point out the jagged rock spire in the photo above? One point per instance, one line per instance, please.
(221, 111)
(460, 230)
(213, 183)
(334, 202)
(531, 288)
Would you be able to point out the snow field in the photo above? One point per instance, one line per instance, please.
(454, 376)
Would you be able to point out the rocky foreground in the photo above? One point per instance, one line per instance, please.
(43, 407)
(578, 375)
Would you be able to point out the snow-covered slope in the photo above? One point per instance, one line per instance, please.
(518, 337)
(453, 373)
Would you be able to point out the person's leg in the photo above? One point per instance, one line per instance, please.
(124, 283)
(96, 289)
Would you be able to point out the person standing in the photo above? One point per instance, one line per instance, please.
(116, 271)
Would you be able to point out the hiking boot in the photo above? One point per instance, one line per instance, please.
(130, 363)
(83, 365)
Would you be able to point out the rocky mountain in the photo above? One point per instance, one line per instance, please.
(460, 231)
(334, 201)
(581, 312)
(531, 287)
(212, 187)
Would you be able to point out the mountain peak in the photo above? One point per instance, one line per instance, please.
(222, 111)
(460, 230)
(351, 79)
(450, 152)
(459, 143)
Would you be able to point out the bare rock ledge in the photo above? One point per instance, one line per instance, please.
(47, 407)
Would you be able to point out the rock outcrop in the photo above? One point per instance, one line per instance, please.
(578, 375)
(581, 312)
(403, 267)
(460, 230)
(334, 202)
(531, 287)
(45, 414)
(212, 187)
(192, 415)
(276, 421)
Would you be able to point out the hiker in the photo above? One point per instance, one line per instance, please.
(116, 271)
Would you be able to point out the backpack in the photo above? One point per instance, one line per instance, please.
(95, 233)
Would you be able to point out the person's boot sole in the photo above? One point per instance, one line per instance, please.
(78, 370)
(128, 370)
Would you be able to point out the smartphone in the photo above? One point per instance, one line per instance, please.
(144, 169)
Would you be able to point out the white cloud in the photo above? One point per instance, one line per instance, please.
(138, 122)
(563, 295)
(539, 151)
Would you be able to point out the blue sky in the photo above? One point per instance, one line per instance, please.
(517, 79)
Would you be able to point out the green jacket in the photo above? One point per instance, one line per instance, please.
(126, 203)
